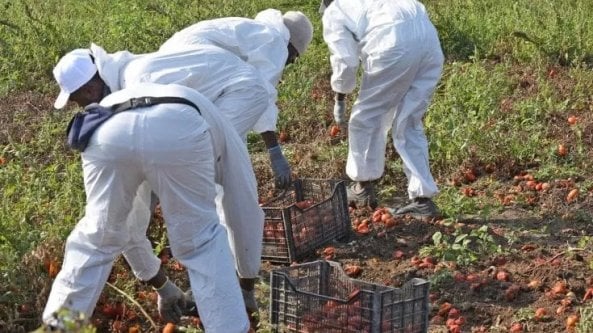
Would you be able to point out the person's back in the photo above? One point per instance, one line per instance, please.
(176, 151)
(261, 43)
(208, 69)
(86, 76)
(238, 90)
(268, 42)
(379, 25)
(399, 51)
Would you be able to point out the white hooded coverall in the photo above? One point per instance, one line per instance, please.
(261, 42)
(402, 62)
(236, 88)
(177, 153)
(240, 94)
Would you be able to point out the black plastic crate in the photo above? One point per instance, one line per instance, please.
(319, 297)
(311, 213)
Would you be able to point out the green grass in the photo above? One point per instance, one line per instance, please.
(42, 191)
(496, 103)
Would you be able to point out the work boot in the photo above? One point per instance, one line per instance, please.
(420, 208)
(248, 291)
(362, 194)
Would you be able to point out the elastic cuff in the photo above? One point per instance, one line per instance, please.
(275, 150)
(164, 284)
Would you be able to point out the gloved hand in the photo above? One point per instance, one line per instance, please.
(249, 299)
(171, 302)
(280, 167)
(251, 307)
(191, 309)
(340, 111)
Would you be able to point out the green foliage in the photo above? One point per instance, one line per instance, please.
(42, 192)
(585, 323)
(466, 120)
(585, 242)
(524, 314)
(31, 41)
(67, 321)
(453, 203)
(463, 248)
(524, 30)
(441, 278)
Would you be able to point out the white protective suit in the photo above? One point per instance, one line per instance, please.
(261, 42)
(177, 153)
(402, 62)
(240, 94)
(235, 87)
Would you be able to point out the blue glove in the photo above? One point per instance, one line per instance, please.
(171, 302)
(340, 111)
(280, 167)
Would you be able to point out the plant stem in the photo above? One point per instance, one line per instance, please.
(131, 299)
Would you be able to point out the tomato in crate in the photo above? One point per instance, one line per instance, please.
(310, 214)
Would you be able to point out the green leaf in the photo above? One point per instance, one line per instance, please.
(459, 238)
(437, 237)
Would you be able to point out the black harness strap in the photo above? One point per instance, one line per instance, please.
(141, 102)
(83, 124)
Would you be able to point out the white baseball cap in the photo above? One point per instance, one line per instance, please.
(72, 71)
(300, 28)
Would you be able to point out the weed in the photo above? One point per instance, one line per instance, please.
(442, 277)
(524, 314)
(67, 321)
(463, 248)
(585, 323)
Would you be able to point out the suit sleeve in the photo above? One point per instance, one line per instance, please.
(343, 47)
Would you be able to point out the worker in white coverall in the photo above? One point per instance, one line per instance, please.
(179, 154)
(268, 42)
(402, 62)
(235, 87)
(239, 93)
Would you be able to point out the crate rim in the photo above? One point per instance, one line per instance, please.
(414, 282)
(285, 191)
(279, 281)
(333, 192)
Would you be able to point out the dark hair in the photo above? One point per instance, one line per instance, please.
(327, 2)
